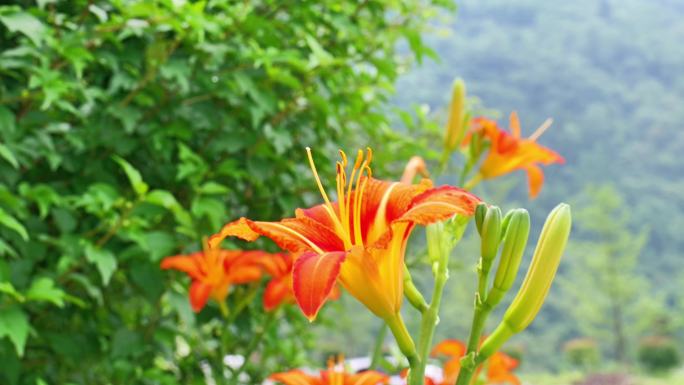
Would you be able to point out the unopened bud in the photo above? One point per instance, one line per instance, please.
(455, 127)
(490, 236)
(535, 287)
(480, 212)
(517, 228)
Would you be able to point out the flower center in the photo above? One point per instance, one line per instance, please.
(347, 219)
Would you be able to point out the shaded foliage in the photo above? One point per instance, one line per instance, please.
(131, 129)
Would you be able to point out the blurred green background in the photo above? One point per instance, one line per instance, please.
(131, 129)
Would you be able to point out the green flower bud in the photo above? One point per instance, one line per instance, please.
(480, 212)
(517, 225)
(490, 236)
(455, 127)
(435, 242)
(535, 287)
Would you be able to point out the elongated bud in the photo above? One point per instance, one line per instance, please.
(517, 228)
(490, 236)
(455, 127)
(535, 287)
(480, 212)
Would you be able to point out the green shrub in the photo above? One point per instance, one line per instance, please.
(131, 129)
(582, 353)
(658, 354)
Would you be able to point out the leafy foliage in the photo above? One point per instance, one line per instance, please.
(131, 129)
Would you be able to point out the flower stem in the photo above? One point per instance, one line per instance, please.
(482, 309)
(429, 322)
(408, 348)
(412, 293)
(377, 349)
(256, 339)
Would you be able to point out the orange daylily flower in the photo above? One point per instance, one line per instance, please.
(214, 270)
(334, 375)
(510, 152)
(359, 240)
(279, 288)
(499, 366)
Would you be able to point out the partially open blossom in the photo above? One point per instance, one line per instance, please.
(279, 288)
(509, 152)
(334, 375)
(359, 240)
(415, 166)
(213, 271)
(499, 366)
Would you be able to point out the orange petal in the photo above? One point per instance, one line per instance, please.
(295, 377)
(199, 294)
(185, 263)
(292, 234)
(514, 124)
(439, 204)
(368, 377)
(451, 348)
(313, 278)
(277, 291)
(535, 179)
(276, 265)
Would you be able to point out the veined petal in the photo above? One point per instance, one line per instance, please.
(313, 278)
(439, 204)
(368, 377)
(199, 294)
(295, 377)
(292, 234)
(185, 263)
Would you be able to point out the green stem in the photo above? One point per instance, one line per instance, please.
(377, 349)
(408, 348)
(429, 323)
(482, 309)
(254, 343)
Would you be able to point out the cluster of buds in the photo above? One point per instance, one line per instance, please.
(513, 232)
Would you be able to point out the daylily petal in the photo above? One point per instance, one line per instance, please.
(277, 291)
(295, 377)
(185, 263)
(499, 369)
(199, 294)
(313, 278)
(368, 377)
(292, 234)
(450, 348)
(535, 179)
(439, 204)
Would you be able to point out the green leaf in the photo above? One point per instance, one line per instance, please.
(7, 122)
(104, 260)
(6, 153)
(14, 324)
(162, 198)
(8, 288)
(211, 188)
(27, 24)
(43, 289)
(11, 223)
(134, 177)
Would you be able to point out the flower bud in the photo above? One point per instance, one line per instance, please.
(517, 228)
(455, 127)
(435, 242)
(535, 287)
(490, 236)
(480, 212)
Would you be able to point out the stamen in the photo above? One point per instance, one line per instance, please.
(328, 206)
(544, 126)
